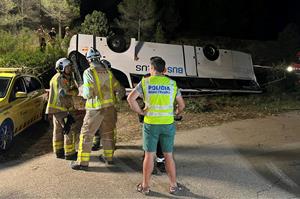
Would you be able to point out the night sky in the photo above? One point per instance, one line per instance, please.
(255, 19)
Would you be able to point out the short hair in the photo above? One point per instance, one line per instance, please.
(158, 63)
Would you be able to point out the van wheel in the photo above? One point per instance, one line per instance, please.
(6, 135)
(211, 52)
(117, 43)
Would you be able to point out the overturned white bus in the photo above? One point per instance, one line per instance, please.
(199, 69)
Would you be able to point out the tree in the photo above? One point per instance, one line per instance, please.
(95, 24)
(169, 16)
(8, 16)
(29, 11)
(289, 41)
(159, 35)
(63, 11)
(138, 18)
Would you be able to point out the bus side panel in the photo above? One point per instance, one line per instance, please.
(242, 66)
(190, 60)
(172, 54)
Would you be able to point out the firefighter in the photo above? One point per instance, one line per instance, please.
(60, 105)
(97, 138)
(99, 89)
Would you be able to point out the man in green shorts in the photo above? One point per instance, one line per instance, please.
(159, 93)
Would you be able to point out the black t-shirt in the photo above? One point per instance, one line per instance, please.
(52, 34)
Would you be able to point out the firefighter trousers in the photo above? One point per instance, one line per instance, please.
(63, 142)
(104, 120)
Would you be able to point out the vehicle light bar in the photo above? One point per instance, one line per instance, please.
(10, 70)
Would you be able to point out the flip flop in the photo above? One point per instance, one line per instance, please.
(143, 190)
(175, 190)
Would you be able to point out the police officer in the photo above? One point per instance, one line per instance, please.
(99, 89)
(159, 93)
(159, 160)
(60, 103)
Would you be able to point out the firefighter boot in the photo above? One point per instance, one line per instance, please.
(60, 153)
(71, 157)
(76, 166)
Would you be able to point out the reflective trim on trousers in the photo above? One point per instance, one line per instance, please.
(69, 148)
(108, 153)
(58, 145)
(83, 157)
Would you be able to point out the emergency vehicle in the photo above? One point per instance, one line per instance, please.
(295, 66)
(23, 101)
(195, 68)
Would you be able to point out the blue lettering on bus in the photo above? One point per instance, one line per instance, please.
(174, 69)
(170, 69)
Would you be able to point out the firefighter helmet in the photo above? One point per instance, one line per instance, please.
(93, 55)
(61, 64)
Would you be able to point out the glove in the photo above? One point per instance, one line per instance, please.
(69, 121)
(177, 117)
(141, 118)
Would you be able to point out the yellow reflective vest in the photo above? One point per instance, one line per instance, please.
(159, 96)
(56, 102)
(98, 92)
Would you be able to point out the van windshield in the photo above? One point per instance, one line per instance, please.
(4, 82)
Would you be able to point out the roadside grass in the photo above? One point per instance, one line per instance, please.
(206, 111)
(262, 103)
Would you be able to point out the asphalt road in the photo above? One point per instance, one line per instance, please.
(255, 158)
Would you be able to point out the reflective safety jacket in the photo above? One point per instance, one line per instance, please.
(99, 87)
(60, 96)
(159, 96)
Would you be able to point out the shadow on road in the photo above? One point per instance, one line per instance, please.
(30, 143)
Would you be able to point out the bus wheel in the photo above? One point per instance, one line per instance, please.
(117, 43)
(211, 52)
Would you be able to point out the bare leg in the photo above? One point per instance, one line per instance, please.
(147, 168)
(171, 168)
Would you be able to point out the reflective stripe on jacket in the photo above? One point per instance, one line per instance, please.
(98, 91)
(159, 96)
(57, 103)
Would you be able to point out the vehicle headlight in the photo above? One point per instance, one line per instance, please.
(290, 69)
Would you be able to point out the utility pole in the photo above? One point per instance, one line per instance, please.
(22, 25)
(22, 12)
(139, 30)
(40, 2)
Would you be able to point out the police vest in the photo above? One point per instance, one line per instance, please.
(54, 103)
(159, 96)
(102, 99)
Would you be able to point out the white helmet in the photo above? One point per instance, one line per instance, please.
(93, 55)
(61, 64)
